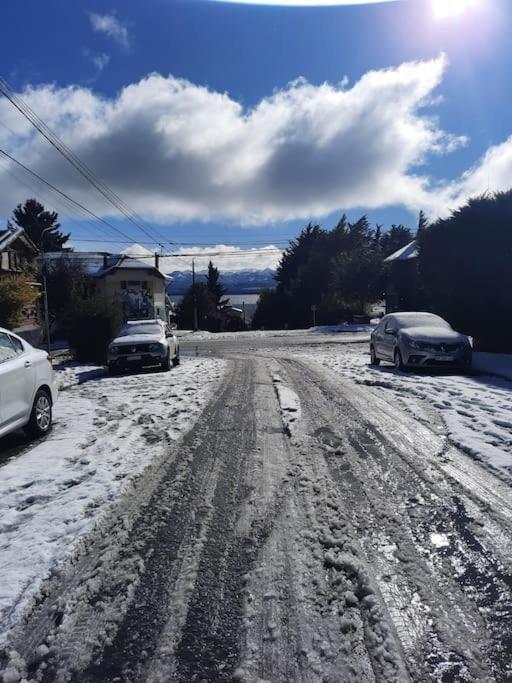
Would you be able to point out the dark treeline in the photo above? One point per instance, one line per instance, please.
(339, 271)
(465, 270)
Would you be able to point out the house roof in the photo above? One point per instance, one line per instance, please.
(410, 251)
(128, 263)
(8, 236)
(98, 264)
(90, 261)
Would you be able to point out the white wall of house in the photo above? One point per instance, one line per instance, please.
(140, 293)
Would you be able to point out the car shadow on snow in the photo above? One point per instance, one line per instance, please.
(485, 378)
(15, 444)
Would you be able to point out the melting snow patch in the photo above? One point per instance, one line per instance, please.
(289, 402)
(439, 540)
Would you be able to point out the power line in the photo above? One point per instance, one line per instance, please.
(76, 255)
(72, 158)
(38, 190)
(66, 196)
(183, 244)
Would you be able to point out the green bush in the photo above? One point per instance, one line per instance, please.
(15, 293)
(91, 329)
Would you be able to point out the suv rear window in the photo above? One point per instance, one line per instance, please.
(143, 328)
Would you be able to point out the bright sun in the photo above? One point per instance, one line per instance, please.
(451, 8)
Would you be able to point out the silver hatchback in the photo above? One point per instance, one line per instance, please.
(419, 340)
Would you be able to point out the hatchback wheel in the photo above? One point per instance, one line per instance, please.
(373, 358)
(41, 416)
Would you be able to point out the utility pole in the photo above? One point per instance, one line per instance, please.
(45, 293)
(313, 310)
(194, 294)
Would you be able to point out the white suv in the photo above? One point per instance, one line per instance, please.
(27, 388)
(143, 344)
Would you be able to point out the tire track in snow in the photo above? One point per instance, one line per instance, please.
(465, 634)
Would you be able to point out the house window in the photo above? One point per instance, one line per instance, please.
(133, 283)
(123, 284)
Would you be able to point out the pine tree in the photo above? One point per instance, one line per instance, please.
(34, 219)
(214, 286)
(377, 235)
(422, 222)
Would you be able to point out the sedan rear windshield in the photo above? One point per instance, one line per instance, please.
(140, 329)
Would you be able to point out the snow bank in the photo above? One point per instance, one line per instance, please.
(289, 403)
(345, 328)
(70, 374)
(477, 410)
(106, 432)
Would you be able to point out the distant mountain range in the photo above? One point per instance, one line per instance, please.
(234, 282)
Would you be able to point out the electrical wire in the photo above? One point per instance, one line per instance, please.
(73, 159)
(65, 195)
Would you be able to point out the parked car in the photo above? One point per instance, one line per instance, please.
(27, 387)
(419, 340)
(143, 344)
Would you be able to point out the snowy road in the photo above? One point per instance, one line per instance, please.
(308, 528)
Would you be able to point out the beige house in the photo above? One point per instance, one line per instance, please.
(17, 252)
(138, 286)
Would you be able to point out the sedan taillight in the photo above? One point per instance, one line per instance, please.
(49, 359)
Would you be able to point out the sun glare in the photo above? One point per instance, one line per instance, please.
(451, 8)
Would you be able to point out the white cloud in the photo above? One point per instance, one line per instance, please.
(100, 61)
(110, 25)
(492, 173)
(225, 257)
(177, 151)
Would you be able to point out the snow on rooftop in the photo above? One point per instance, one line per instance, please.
(410, 251)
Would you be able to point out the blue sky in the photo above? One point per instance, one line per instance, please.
(449, 110)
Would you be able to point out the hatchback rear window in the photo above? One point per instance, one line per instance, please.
(7, 350)
(18, 346)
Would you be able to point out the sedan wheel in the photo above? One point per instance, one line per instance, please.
(399, 364)
(166, 364)
(373, 358)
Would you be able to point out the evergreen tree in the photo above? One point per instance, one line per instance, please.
(34, 219)
(422, 222)
(214, 286)
(377, 235)
(207, 314)
(464, 264)
(339, 271)
(396, 238)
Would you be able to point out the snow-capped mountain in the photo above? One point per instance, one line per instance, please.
(234, 282)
